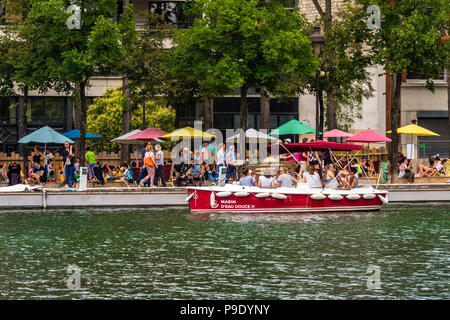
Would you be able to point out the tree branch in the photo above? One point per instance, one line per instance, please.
(318, 7)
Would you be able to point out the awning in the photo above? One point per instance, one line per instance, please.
(318, 145)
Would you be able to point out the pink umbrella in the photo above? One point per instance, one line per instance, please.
(368, 136)
(335, 133)
(147, 134)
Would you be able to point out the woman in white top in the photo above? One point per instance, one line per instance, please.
(149, 158)
(265, 181)
(312, 178)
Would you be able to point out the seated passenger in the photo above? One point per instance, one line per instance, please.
(424, 170)
(351, 180)
(285, 180)
(247, 179)
(405, 172)
(312, 178)
(265, 181)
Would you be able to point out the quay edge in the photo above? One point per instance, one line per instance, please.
(166, 197)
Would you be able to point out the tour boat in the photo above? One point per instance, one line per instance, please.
(233, 198)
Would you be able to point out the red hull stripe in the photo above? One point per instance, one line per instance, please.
(289, 210)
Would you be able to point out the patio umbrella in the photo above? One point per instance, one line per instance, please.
(123, 138)
(75, 134)
(335, 133)
(188, 132)
(146, 135)
(252, 134)
(414, 130)
(45, 135)
(368, 136)
(292, 127)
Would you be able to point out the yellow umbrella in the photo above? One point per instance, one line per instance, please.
(188, 132)
(415, 130)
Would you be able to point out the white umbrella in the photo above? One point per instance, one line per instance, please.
(252, 135)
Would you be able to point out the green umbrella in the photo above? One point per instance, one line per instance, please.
(292, 127)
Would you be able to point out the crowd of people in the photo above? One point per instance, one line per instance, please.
(203, 166)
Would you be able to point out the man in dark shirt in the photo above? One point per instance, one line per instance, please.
(38, 175)
(14, 173)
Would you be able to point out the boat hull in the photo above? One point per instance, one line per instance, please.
(203, 202)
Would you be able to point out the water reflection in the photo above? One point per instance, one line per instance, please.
(169, 254)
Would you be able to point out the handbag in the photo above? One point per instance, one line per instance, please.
(149, 162)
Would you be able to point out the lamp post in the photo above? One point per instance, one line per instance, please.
(317, 41)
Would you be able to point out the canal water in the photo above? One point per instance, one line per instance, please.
(401, 252)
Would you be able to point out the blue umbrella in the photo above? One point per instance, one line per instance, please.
(45, 135)
(75, 134)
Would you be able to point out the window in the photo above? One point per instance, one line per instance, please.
(46, 109)
(173, 12)
(421, 77)
(8, 114)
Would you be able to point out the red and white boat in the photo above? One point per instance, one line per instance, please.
(233, 198)
(238, 199)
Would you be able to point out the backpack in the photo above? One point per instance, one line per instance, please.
(129, 175)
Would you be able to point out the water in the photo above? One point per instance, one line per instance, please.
(168, 254)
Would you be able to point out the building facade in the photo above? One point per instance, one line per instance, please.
(429, 109)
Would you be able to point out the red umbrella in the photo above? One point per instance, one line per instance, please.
(335, 133)
(318, 145)
(368, 136)
(147, 134)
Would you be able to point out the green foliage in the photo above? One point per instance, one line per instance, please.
(410, 35)
(241, 43)
(105, 118)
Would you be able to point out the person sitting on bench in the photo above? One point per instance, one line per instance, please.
(39, 175)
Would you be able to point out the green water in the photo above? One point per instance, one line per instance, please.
(168, 254)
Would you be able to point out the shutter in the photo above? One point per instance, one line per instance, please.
(434, 144)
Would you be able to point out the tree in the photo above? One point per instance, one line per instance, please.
(409, 39)
(129, 35)
(344, 60)
(105, 118)
(81, 52)
(240, 44)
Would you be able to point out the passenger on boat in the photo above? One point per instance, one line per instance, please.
(247, 180)
(265, 181)
(351, 181)
(285, 180)
(341, 176)
(312, 178)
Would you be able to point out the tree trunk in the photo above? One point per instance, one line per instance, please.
(144, 123)
(322, 114)
(264, 110)
(22, 127)
(395, 116)
(448, 106)
(83, 118)
(244, 90)
(208, 113)
(125, 149)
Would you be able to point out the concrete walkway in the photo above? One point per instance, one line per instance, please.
(147, 197)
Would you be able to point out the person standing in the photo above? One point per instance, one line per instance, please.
(230, 158)
(91, 161)
(205, 154)
(150, 164)
(159, 174)
(68, 164)
(143, 173)
(221, 156)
